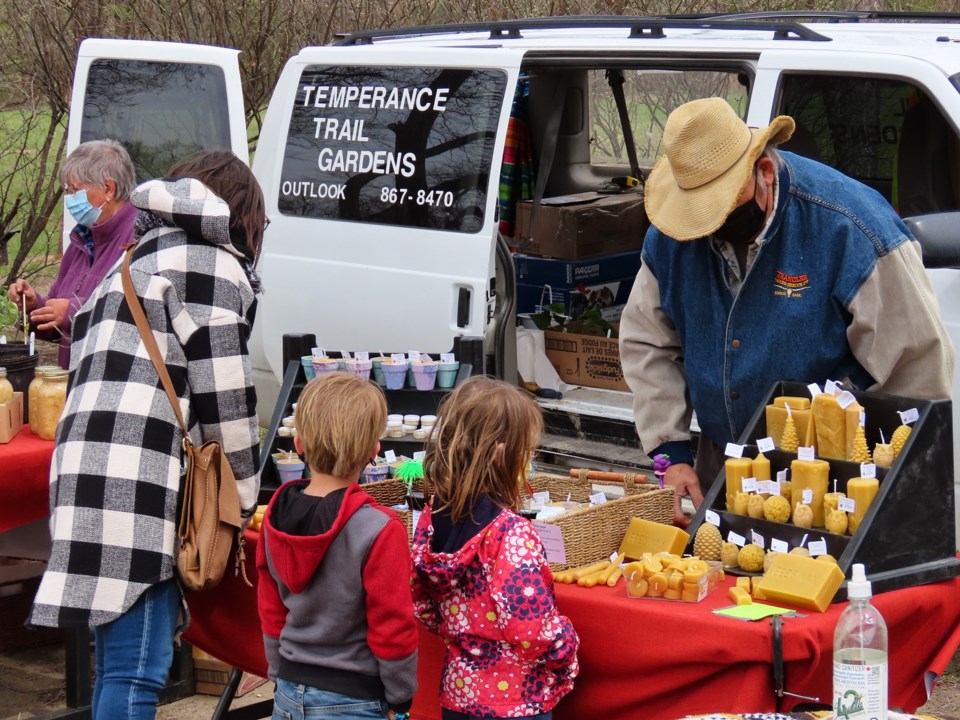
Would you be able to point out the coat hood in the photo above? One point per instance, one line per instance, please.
(190, 205)
(296, 557)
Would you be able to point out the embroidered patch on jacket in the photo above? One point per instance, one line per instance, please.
(791, 286)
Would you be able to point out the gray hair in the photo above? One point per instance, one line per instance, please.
(96, 161)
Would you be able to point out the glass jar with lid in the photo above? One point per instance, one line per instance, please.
(6, 389)
(33, 403)
(51, 396)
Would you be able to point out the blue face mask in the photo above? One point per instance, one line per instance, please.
(80, 208)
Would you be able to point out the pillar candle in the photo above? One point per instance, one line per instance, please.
(761, 470)
(810, 475)
(736, 470)
(862, 491)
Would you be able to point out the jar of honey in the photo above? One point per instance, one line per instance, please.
(51, 396)
(33, 404)
(6, 389)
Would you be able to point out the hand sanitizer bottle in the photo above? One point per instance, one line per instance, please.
(860, 674)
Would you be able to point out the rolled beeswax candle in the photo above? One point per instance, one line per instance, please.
(810, 475)
(862, 491)
(736, 469)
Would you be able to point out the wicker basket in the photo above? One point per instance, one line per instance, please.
(394, 492)
(594, 533)
(632, 483)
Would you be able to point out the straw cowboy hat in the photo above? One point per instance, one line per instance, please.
(708, 161)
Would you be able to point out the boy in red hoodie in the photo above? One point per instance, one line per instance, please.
(334, 591)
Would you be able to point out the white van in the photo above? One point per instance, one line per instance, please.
(381, 158)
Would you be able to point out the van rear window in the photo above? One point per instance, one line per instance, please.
(399, 146)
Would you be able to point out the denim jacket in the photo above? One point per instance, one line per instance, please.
(692, 334)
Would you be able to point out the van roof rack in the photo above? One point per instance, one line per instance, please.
(850, 16)
(641, 26)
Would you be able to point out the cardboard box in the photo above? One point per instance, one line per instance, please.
(603, 282)
(582, 225)
(583, 356)
(211, 675)
(11, 418)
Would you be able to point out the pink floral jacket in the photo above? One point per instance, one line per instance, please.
(509, 652)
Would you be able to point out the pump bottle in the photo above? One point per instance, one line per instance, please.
(860, 672)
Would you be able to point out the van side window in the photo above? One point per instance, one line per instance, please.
(651, 95)
(401, 146)
(886, 133)
(162, 112)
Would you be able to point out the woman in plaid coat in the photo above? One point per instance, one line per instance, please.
(116, 471)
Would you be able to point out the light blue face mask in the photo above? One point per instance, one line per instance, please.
(80, 208)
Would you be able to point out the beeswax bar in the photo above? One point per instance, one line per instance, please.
(736, 469)
(739, 595)
(810, 475)
(647, 536)
(801, 581)
(862, 491)
(743, 582)
(830, 422)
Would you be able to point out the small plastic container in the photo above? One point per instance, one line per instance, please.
(289, 421)
(395, 417)
(6, 389)
(408, 428)
(374, 473)
(681, 591)
(394, 428)
(51, 398)
(411, 419)
(290, 469)
(428, 421)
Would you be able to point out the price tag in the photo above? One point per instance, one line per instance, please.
(733, 450)
(830, 387)
(736, 539)
(845, 399)
(712, 517)
(775, 488)
(814, 390)
(362, 356)
(757, 539)
(552, 538)
(390, 456)
(763, 486)
(318, 352)
(748, 484)
(807, 496)
(868, 470)
(413, 356)
(420, 455)
(542, 497)
(779, 546)
(398, 358)
(598, 499)
(806, 453)
(909, 416)
(817, 547)
(416, 519)
(346, 355)
(847, 504)
(782, 475)
(765, 444)
(863, 418)
(447, 357)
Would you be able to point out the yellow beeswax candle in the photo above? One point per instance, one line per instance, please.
(851, 419)
(830, 421)
(761, 470)
(736, 469)
(810, 475)
(862, 491)
(776, 416)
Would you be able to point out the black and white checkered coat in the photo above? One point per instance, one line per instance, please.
(116, 470)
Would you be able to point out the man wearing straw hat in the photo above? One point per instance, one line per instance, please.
(762, 266)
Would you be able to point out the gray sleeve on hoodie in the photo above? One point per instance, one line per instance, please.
(271, 648)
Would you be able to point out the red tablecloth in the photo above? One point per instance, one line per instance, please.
(24, 479)
(656, 658)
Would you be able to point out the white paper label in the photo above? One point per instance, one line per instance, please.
(909, 416)
(319, 353)
(847, 504)
(413, 356)
(542, 497)
(782, 475)
(806, 453)
(552, 538)
(863, 418)
(845, 399)
(779, 546)
(814, 389)
(416, 519)
(868, 470)
(807, 496)
(398, 358)
(362, 356)
(748, 484)
(598, 499)
(765, 445)
(420, 455)
(733, 450)
(712, 517)
(390, 456)
(346, 355)
(757, 539)
(817, 547)
(830, 387)
(447, 357)
(763, 486)
(736, 539)
(775, 488)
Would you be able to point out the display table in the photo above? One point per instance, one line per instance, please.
(24, 479)
(655, 658)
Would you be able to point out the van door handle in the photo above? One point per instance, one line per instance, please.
(463, 307)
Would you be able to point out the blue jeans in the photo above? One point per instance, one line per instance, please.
(134, 654)
(454, 715)
(293, 701)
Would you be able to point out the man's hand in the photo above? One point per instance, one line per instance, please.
(20, 291)
(685, 483)
(51, 315)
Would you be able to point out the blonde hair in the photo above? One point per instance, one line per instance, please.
(486, 430)
(339, 420)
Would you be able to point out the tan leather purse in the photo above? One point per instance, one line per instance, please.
(209, 501)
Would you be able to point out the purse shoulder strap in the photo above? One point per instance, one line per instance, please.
(136, 309)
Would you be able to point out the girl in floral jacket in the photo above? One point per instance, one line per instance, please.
(481, 580)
